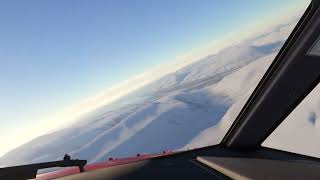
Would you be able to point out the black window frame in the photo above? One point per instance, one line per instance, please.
(280, 90)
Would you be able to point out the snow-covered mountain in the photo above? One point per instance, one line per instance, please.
(189, 108)
(238, 86)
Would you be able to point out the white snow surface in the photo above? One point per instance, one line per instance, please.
(190, 108)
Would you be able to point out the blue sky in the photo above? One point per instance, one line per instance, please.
(54, 53)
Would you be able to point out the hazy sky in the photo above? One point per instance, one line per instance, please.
(56, 53)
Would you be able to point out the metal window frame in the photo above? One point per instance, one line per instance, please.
(290, 78)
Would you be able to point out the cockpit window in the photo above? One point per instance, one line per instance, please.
(300, 131)
(101, 80)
